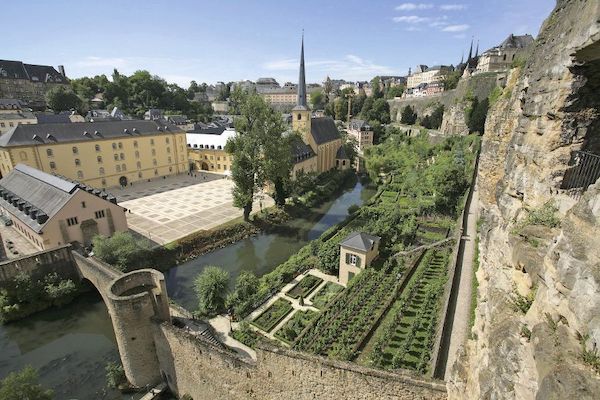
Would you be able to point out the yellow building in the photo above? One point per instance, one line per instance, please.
(357, 252)
(206, 150)
(99, 154)
(11, 115)
(320, 134)
(50, 211)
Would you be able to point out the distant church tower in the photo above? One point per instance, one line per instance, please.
(301, 112)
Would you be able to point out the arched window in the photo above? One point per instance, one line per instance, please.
(299, 117)
(118, 168)
(154, 162)
(114, 146)
(122, 156)
(97, 147)
(75, 150)
(77, 162)
(52, 165)
(49, 152)
(137, 154)
(80, 174)
(167, 140)
(101, 170)
(123, 167)
(99, 158)
(139, 165)
(135, 144)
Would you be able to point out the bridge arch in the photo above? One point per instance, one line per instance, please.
(134, 300)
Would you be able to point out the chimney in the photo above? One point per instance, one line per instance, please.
(61, 69)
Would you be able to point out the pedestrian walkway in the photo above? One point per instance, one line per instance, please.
(460, 324)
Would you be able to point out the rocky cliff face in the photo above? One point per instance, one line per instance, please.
(539, 278)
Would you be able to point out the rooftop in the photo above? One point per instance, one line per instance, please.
(35, 197)
(360, 241)
(26, 135)
(323, 130)
(209, 140)
(35, 73)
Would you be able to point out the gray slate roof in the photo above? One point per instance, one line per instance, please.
(35, 197)
(43, 118)
(360, 241)
(518, 42)
(10, 104)
(323, 130)
(35, 73)
(301, 151)
(82, 131)
(359, 125)
(341, 154)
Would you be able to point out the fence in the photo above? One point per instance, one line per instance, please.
(585, 170)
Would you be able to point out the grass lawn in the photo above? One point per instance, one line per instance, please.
(290, 331)
(273, 315)
(304, 287)
(326, 294)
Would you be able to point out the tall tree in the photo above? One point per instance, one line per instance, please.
(211, 288)
(62, 99)
(328, 89)
(317, 99)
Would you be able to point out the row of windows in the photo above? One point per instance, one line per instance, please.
(119, 168)
(29, 235)
(11, 124)
(140, 175)
(50, 152)
(218, 158)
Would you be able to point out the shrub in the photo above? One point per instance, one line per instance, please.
(211, 289)
(523, 303)
(121, 250)
(115, 374)
(23, 385)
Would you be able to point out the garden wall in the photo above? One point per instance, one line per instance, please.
(40, 264)
(194, 367)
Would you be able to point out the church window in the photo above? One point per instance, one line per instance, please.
(299, 117)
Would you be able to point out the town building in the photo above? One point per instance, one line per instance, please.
(99, 154)
(501, 57)
(50, 211)
(220, 107)
(28, 82)
(428, 75)
(206, 149)
(181, 121)
(320, 134)
(12, 114)
(357, 252)
(362, 132)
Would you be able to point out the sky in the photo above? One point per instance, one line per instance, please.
(231, 40)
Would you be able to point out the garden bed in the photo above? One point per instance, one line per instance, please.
(326, 294)
(304, 287)
(273, 315)
(292, 329)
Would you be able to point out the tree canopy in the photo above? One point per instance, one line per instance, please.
(408, 116)
(61, 98)
(211, 289)
(23, 385)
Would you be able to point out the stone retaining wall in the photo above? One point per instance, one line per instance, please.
(38, 265)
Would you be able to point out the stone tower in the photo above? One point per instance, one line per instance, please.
(301, 112)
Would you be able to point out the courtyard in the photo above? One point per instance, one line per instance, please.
(168, 209)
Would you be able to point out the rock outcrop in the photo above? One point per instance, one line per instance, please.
(538, 306)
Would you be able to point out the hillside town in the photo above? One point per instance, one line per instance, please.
(419, 235)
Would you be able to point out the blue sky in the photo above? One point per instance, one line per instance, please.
(228, 40)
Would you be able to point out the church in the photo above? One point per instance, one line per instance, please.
(321, 149)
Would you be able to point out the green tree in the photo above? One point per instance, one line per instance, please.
(380, 111)
(450, 81)
(23, 385)
(317, 99)
(434, 121)
(477, 114)
(121, 250)
(394, 91)
(408, 116)
(376, 87)
(328, 89)
(61, 98)
(115, 374)
(211, 289)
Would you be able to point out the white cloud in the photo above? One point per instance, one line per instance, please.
(453, 7)
(350, 66)
(456, 28)
(411, 19)
(414, 6)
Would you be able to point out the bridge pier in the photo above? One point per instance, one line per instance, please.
(135, 300)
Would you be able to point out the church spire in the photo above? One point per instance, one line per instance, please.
(470, 51)
(462, 58)
(477, 51)
(302, 79)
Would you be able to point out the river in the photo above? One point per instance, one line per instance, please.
(70, 346)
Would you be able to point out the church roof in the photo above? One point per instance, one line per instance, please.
(301, 151)
(341, 154)
(323, 130)
(360, 241)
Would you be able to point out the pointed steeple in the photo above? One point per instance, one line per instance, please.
(470, 51)
(301, 102)
(462, 58)
(477, 51)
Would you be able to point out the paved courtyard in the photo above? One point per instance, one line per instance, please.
(14, 245)
(169, 209)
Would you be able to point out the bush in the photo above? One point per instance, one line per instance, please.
(408, 116)
(211, 289)
(23, 385)
(115, 374)
(121, 250)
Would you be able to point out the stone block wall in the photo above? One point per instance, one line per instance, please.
(194, 367)
(40, 264)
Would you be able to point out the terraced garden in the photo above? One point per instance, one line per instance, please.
(273, 315)
(405, 337)
(304, 287)
(341, 326)
(326, 294)
(290, 331)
